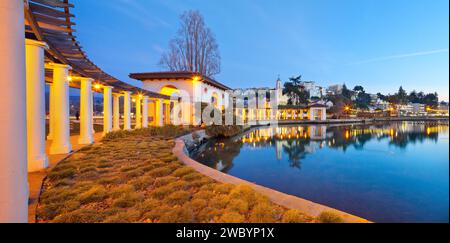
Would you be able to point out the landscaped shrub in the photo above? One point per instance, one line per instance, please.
(244, 192)
(162, 181)
(126, 216)
(128, 200)
(178, 198)
(217, 131)
(178, 215)
(183, 171)
(158, 172)
(198, 204)
(219, 201)
(142, 183)
(96, 193)
(295, 216)
(238, 206)
(263, 213)
(132, 176)
(329, 217)
(231, 217)
(223, 188)
(80, 216)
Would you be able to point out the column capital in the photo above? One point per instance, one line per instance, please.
(30, 42)
(52, 65)
(83, 79)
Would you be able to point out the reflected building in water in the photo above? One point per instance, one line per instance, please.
(296, 142)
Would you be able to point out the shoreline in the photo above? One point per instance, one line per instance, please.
(280, 198)
(351, 121)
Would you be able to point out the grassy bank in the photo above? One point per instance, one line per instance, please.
(134, 177)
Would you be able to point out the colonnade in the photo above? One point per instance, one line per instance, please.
(23, 113)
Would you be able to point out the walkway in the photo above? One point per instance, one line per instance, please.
(36, 179)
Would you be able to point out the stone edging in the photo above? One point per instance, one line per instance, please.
(288, 201)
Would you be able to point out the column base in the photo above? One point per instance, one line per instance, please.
(85, 141)
(38, 163)
(60, 149)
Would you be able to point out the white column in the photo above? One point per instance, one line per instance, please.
(92, 112)
(61, 137)
(107, 109)
(145, 112)
(86, 112)
(159, 112)
(138, 112)
(35, 78)
(116, 112)
(187, 114)
(13, 125)
(51, 113)
(127, 111)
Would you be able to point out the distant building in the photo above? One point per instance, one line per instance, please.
(335, 89)
(281, 99)
(313, 89)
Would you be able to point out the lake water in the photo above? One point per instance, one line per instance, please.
(387, 172)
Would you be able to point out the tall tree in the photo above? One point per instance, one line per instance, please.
(194, 48)
(346, 92)
(402, 96)
(296, 93)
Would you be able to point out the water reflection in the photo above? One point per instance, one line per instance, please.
(385, 172)
(298, 141)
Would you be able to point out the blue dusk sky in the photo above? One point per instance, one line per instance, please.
(380, 44)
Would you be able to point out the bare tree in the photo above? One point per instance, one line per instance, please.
(194, 48)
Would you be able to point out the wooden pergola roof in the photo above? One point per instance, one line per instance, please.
(50, 21)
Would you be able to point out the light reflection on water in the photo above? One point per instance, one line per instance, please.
(395, 172)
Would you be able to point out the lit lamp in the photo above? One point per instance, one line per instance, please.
(97, 86)
(196, 78)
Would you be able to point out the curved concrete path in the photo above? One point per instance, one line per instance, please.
(283, 199)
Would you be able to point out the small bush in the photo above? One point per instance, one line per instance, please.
(198, 204)
(128, 200)
(178, 215)
(263, 213)
(162, 181)
(142, 183)
(231, 217)
(223, 188)
(219, 201)
(244, 192)
(161, 192)
(223, 131)
(183, 171)
(178, 198)
(95, 194)
(295, 216)
(128, 216)
(329, 217)
(62, 174)
(159, 172)
(80, 216)
(237, 205)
